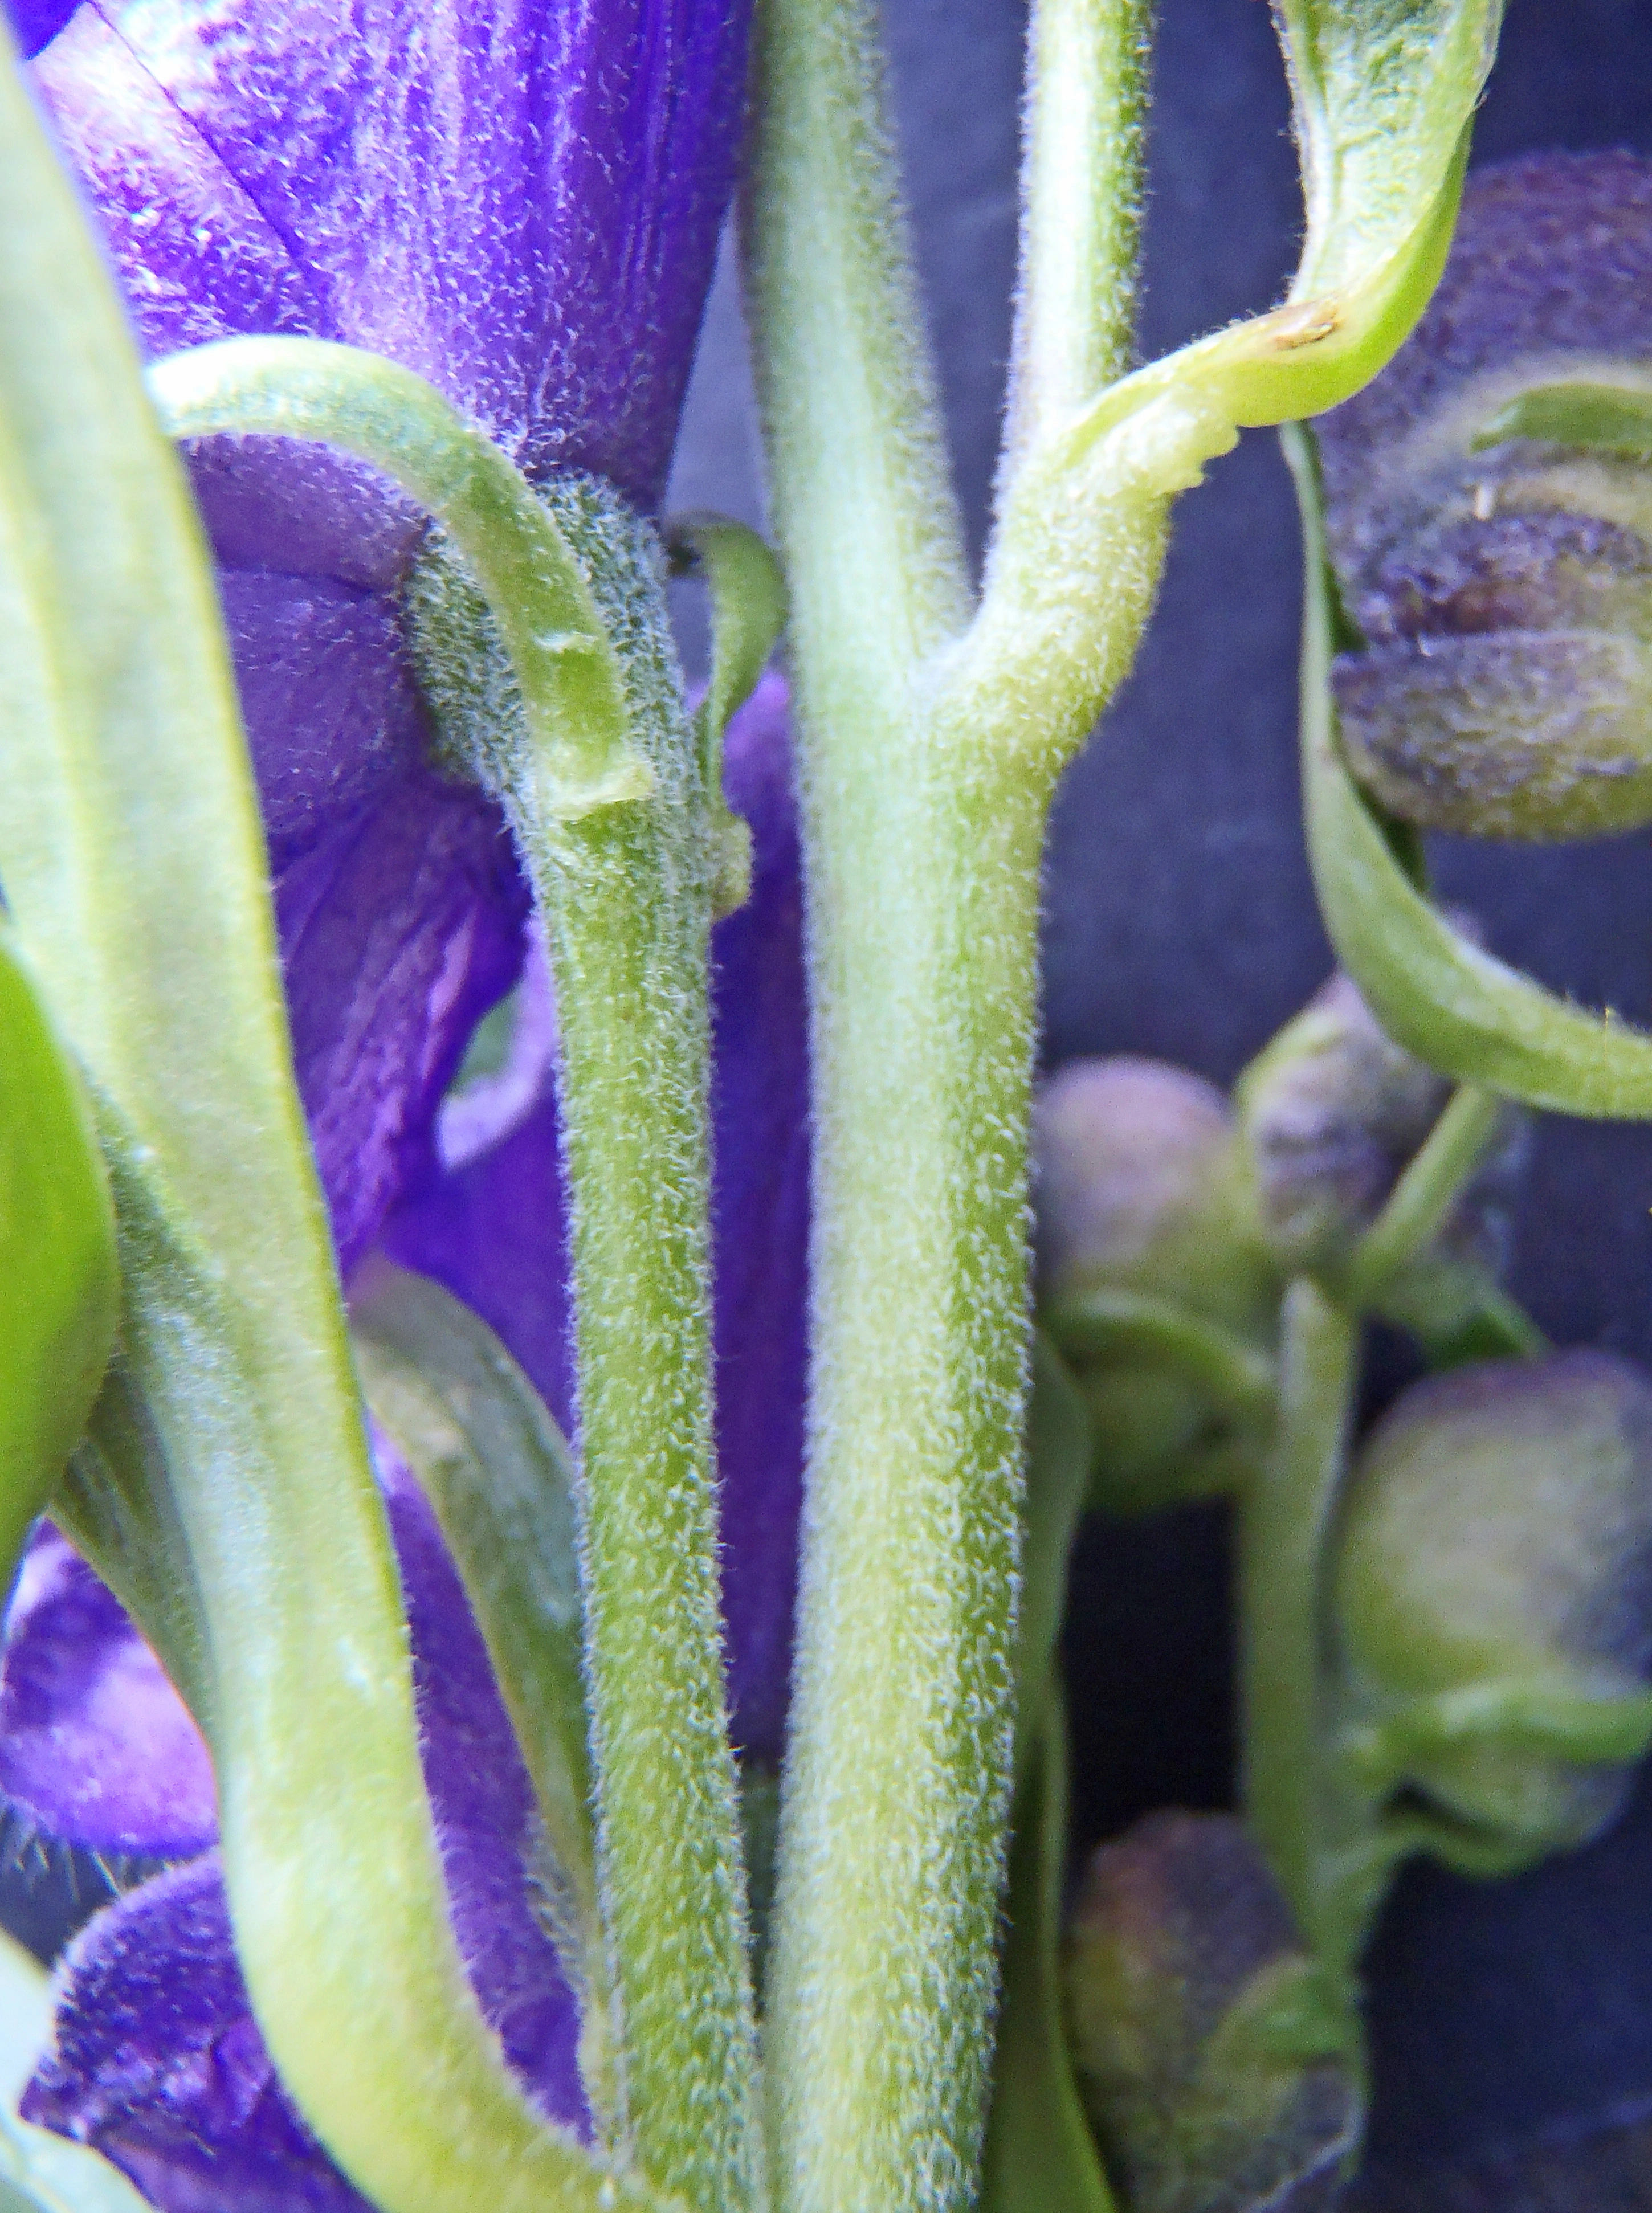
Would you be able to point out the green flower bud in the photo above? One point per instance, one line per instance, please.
(1216, 2074)
(1490, 507)
(1332, 1112)
(1152, 1280)
(1492, 1589)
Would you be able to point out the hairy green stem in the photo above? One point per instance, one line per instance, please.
(923, 831)
(1080, 213)
(1423, 1196)
(583, 737)
(1284, 1516)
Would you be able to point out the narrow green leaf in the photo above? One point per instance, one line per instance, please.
(748, 612)
(1041, 2156)
(1434, 993)
(500, 1476)
(1058, 1451)
(59, 1284)
(1383, 93)
(137, 881)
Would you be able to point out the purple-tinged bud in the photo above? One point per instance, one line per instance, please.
(1333, 1112)
(1215, 2071)
(1489, 510)
(1493, 1593)
(1152, 1280)
(1138, 1187)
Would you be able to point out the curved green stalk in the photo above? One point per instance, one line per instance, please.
(137, 879)
(1436, 993)
(1041, 2156)
(748, 612)
(1283, 1521)
(1423, 1198)
(582, 734)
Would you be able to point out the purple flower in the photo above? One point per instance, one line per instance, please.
(521, 201)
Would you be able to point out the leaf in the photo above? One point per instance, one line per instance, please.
(1041, 2156)
(1383, 93)
(1057, 1480)
(59, 1284)
(1434, 991)
(138, 883)
(500, 1476)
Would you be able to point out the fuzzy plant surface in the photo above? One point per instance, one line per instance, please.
(558, 1515)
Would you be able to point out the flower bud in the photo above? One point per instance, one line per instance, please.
(1333, 1112)
(1496, 556)
(1149, 1259)
(1493, 1592)
(1214, 2070)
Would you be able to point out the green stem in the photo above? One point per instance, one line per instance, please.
(923, 820)
(629, 953)
(1284, 1517)
(605, 785)
(1080, 213)
(1424, 1194)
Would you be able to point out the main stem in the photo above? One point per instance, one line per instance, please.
(926, 771)
(923, 909)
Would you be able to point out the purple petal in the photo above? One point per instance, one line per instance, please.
(35, 23)
(334, 717)
(95, 1745)
(493, 1228)
(157, 2060)
(398, 932)
(760, 1132)
(521, 201)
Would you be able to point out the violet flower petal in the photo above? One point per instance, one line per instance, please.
(486, 1819)
(399, 931)
(158, 2062)
(493, 1228)
(95, 1745)
(520, 202)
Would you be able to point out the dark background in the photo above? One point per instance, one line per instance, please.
(1180, 922)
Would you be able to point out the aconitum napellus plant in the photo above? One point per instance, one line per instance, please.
(536, 1460)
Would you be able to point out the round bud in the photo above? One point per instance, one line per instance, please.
(1151, 1277)
(1489, 510)
(1333, 1112)
(1493, 1591)
(1213, 2068)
